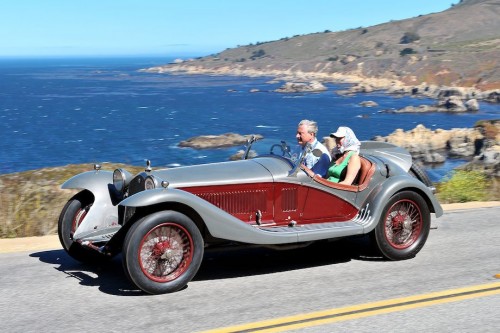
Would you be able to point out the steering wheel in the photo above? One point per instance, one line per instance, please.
(283, 149)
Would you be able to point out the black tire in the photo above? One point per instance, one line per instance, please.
(70, 218)
(403, 227)
(162, 252)
(419, 173)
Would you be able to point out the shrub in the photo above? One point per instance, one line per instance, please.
(406, 51)
(489, 128)
(463, 186)
(409, 37)
(257, 54)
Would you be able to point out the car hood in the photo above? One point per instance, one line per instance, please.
(257, 170)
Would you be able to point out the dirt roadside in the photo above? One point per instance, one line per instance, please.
(51, 242)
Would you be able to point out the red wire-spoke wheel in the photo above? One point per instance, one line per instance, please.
(166, 252)
(78, 218)
(403, 227)
(403, 224)
(72, 215)
(162, 252)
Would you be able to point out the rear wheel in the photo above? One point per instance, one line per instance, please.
(162, 252)
(403, 227)
(70, 219)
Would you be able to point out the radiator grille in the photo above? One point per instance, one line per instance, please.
(136, 185)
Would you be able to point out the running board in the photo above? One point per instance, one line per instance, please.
(317, 231)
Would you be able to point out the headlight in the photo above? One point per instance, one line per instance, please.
(150, 183)
(121, 178)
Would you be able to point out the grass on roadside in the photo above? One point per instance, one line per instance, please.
(30, 201)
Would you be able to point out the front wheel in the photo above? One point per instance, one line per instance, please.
(162, 252)
(403, 227)
(70, 219)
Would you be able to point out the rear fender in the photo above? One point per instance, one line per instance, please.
(381, 195)
(103, 213)
(397, 155)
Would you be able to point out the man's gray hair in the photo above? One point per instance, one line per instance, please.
(312, 126)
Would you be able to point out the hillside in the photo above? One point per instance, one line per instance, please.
(457, 47)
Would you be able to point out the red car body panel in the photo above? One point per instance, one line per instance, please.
(278, 203)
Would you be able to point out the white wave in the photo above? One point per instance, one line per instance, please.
(266, 126)
(152, 139)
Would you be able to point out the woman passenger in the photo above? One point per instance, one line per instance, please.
(347, 163)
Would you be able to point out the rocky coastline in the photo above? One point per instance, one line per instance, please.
(479, 145)
(459, 98)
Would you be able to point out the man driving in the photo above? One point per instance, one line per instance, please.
(317, 158)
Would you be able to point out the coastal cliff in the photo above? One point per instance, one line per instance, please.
(429, 55)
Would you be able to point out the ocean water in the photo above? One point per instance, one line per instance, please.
(55, 112)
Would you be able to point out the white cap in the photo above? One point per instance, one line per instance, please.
(340, 133)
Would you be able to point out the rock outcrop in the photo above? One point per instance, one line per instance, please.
(368, 104)
(295, 87)
(451, 104)
(480, 144)
(217, 141)
(424, 144)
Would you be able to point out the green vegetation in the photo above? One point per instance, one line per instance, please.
(409, 37)
(257, 54)
(407, 51)
(464, 186)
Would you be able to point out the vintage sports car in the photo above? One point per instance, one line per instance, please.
(162, 220)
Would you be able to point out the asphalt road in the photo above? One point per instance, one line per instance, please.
(453, 285)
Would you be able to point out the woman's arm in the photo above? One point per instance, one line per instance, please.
(352, 169)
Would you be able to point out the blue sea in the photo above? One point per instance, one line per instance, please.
(55, 112)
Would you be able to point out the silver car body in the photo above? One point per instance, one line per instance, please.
(391, 176)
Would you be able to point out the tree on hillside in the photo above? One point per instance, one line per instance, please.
(409, 37)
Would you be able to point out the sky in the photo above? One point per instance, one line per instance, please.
(40, 28)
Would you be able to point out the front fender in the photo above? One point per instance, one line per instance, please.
(390, 187)
(219, 223)
(103, 213)
(90, 180)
